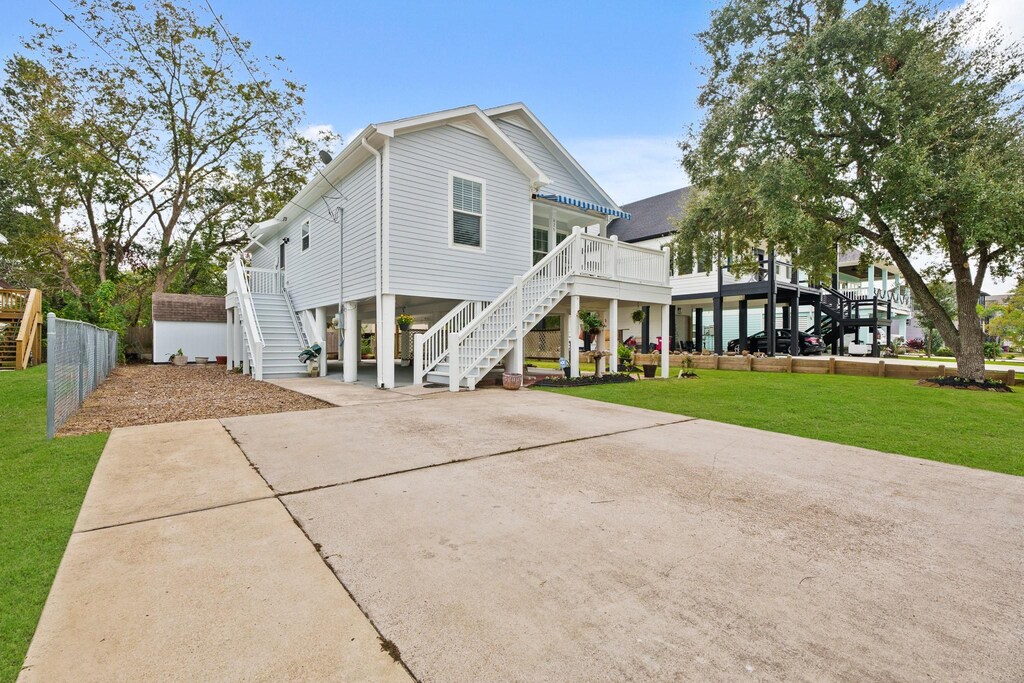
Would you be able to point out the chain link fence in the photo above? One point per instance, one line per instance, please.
(79, 356)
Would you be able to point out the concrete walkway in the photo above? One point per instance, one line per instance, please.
(494, 536)
(184, 567)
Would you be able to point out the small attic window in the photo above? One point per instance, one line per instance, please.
(305, 235)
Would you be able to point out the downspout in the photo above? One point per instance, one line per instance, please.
(378, 258)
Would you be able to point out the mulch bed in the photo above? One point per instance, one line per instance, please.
(151, 394)
(953, 382)
(585, 380)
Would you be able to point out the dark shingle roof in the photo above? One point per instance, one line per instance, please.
(195, 308)
(650, 216)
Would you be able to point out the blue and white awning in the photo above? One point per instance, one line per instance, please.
(586, 206)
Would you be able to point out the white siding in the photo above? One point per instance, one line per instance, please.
(312, 275)
(563, 181)
(421, 261)
(193, 338)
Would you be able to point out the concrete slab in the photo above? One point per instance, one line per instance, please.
(231, 594)
(339, 393)
(685, 552)
(166, 469)
(345, 444)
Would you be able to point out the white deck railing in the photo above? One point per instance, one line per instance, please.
(238, 283)
(580, 254)
(264, 280)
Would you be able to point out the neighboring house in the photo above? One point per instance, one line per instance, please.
(712, 305)
(476, 223)
(193, 323)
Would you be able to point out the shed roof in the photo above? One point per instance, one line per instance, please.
(196, 308)
(651, 216)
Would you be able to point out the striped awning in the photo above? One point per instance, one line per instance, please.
(586, 206)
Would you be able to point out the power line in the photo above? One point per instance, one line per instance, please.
(71, 20)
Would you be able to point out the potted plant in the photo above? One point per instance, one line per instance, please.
(592, 322)
(687, 371)
(404, 322)
(178, 358)
(511, 380)
(201, 360)
(639, 315)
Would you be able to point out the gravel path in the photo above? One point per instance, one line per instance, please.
(150, 394)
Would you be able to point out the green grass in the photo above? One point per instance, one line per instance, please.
(973, 428)
(42, 485)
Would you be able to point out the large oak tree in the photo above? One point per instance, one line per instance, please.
(888, 126)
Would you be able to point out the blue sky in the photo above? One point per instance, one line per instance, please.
(615, 81)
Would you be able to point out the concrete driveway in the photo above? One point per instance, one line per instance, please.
(494, 536)
(532, 536)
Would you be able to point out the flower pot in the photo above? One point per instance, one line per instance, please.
(202, 360)
(511, 380)
(650, 370)
(222, 360)
(179, 360)
(404, 327)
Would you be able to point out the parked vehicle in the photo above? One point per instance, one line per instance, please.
(810, 344)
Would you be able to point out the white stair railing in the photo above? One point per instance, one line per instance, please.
(581, 254)
(431, 347)
(238, 284)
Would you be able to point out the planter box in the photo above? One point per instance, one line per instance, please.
(202, 360)
(511, 380)
(179, 360)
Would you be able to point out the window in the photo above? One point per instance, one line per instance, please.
(540, 244)
(305, 235)
(467, 228)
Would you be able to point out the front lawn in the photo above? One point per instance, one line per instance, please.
(973, 428)
(42, 487)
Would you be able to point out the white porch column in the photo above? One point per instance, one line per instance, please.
(353, 341)
(871, 280)
(240, 354)
(386, 342)
(515, 356)
(665, 310)
(321, 315)
(885, 280)
(563, 326)
(231, 338)
(574, 335)
(613, 328)
(246, 367)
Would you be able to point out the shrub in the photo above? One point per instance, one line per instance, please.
(916, 344)
(943, 351)
(991, 350)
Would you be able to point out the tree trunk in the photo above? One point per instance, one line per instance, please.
(970, 357)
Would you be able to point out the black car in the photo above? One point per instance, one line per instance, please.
(810, 344)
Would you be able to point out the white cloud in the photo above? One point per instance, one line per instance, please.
(630, 168)
(1006, 16)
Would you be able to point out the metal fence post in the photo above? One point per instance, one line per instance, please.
(51, 370)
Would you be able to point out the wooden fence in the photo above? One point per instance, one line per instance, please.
(820, 366)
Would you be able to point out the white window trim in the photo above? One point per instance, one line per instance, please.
(452, 175)
(309, 235)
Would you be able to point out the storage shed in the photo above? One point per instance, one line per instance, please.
(194, 323)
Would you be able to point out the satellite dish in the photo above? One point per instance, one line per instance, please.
(325, 156)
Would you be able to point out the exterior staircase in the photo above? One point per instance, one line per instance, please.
(21, 328)
(473, 338)
(8, 343)
(281, 336)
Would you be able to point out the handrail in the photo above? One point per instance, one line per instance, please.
(431, 347)
(253, 336)
(28, 331)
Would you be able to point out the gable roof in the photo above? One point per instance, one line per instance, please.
(193, 308)
(553, 145)
(651, 216)
(355, 152)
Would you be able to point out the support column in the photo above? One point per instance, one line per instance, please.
(743, 325)
(672, 331)
(698, 332)
(239, 342)
(817, 316)
(574, 335)
(718, 321)
(794, 325)
(871, 280)
(353, 342)
(664, 340)
(386, 342)
(231, 338)
(321, 316)
(613, 329)
(563, 326)
(769, 325)
(645, 330)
